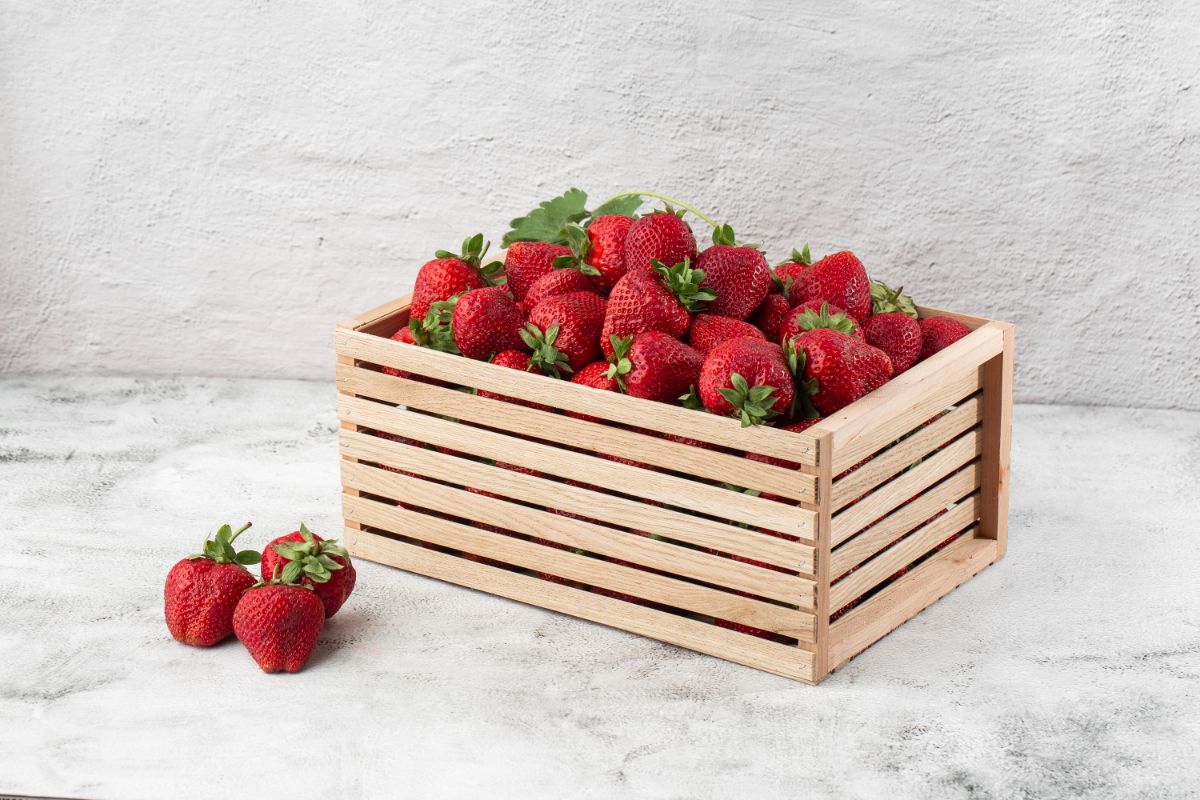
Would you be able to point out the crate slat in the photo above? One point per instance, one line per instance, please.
(585, 569)
(790, 662)
(712, 500)
(660, 417)
(907, 597)
(854, 518)
(904, 519)
(893, 460)
(699, 531)
(545, 425)
(575, 533)
(997, 440)
(906, 551)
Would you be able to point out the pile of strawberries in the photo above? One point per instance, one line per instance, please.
(305, 580)
(628, 303)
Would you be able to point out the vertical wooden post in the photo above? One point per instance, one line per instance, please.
(997, 382)
(824, 540)
(349, 525)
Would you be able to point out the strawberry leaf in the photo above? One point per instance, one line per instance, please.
(619, 206)
(545, 223)
(248, 557)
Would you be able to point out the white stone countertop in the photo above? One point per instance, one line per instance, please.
(1069, 669)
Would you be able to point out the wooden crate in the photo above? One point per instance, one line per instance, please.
(689, 545)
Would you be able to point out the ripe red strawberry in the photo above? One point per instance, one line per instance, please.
(886, 300)
(654, 365)
(710, 330)
(839, 279)
(202, 590)
(747, 378)
(323, 564)
(939, 333)
(279, 623)
(525, 262)
(738, 275)
(578, 318)
(814, 314)
(785, 274)
(661, 236)
(835, 369)
(606, 248)
(555, 283)
(449, 275)
(896, 334)
(770, 315)
(487, 321)
(657, 300)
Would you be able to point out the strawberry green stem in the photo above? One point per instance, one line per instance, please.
(665, 199)
(239, 532)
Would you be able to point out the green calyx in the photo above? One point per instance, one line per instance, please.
(811, 320)
(581, 245)
(797, 360)
(308, 558)
(754, 404)
(436, 331)
(474, 248)
(546, 357)
(886, 300)
(220, 548)
(282, 577)
(684, 282)
(547, 222)
(691, 399)
(619, 364)
(801, 256)
(723, 234)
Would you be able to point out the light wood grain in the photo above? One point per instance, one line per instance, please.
(891, 461)
(581, 534)
(823, 663)
(601, 438)
(997, 440)
(660, 417)
(904, 519)
(780, 659)
(382, 320)
(633, 514)
(712, 500)
(908, 596)
(966, 319)
(904, 552)
(854, 518)
(585, 569)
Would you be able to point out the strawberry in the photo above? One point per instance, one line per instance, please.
(661, 236)
(896, 334)
(748, 378)
(814, 314)
(202, 590)
(654, 365)
(279, 623)
(594, 375)
(577, 319)
(770, 315)
(738, 275)
(606, 248)
(939, 333)
(525, 262)
(710, 330)
(323, 564)
(553, 284)
(487, 321)
(785, 274)
(658, 300)
(839, 279)
(835, 369)
(449, 275)
(886, 300)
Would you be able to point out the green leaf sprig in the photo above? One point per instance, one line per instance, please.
(220, 548)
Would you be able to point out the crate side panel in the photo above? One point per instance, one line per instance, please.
(997, 440)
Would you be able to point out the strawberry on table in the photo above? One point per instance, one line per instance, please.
(279, 621)
(661, 236)
(448, 275)
(839, 279)
(525, 262)
(322, 564)
(813, 314)
(896, 334)
(835, 369)
(654, 365)
(202, 590)
(747, 378)
(738, 275)
(710, 330)
(486, 321)
(657, 300)
(940, 332)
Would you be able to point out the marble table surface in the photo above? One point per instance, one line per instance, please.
(1069, 669)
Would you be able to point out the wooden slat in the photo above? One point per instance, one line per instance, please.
(904, 552)
(887, 463)
(909, 399)
(620, 511)
(581, 534)
(904, 519)
(997, 440)
(661, 417)
(382, 320)
(790, 662)
(908, 596)
(582, 568)
(887, 497)
(550, 426)
(713, 500)
(970, 321)
(823, 662)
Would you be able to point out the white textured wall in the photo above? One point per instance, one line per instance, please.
(205, 188)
